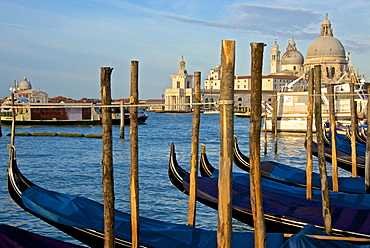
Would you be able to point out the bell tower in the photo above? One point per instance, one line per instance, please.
(275, 62)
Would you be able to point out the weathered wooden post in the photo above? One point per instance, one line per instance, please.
(12, 137)
(274, 124)
(321, 154)
(353, 127)
(194, 151)
(265, 126)
(309, 136)
(333, 126)
(224, 231)
(254, 146)
(134, 155)
(122, 122)
(1, 133)
(107, 161)
(367, 159)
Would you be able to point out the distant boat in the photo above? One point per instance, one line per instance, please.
(242, 114)
(28, 113)
(83, 219)
(292, 107)
(211, 112)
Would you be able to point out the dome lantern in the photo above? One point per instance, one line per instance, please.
(326, 44)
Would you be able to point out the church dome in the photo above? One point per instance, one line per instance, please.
(326, 44)
(25, 85)
(292, 57)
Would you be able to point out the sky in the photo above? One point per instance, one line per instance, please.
(60, 46)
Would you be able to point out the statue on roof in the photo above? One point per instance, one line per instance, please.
(291, 45)
(182, 63)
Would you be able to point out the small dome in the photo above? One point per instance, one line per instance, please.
(25, 84)
(325, 46)
(292, 57)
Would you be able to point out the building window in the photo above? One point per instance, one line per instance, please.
(178, 84)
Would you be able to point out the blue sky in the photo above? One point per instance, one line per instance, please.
(61, 45)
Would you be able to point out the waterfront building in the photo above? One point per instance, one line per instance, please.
(242, 88)
(179, 97)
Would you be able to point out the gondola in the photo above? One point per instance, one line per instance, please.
(344, 144)
(344, 160)
(11, 236)
(82, 219)
(286, 208)
(286, 174)
(358, 137)
(344, 157)
(363, 132)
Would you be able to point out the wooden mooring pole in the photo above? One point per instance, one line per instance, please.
(254, 145)
(309, 136)
(353, 128)
(134, 155)
(194, 152)
(265, 126)
(122, 122)
(367, 158)
(224, 230)
(274, 123)
(321, 153)
(1, 133)
(12, 137)
(107, 160)
(333, 131)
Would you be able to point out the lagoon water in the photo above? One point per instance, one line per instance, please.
(72, 165)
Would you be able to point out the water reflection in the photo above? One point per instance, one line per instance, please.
(73, 165)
